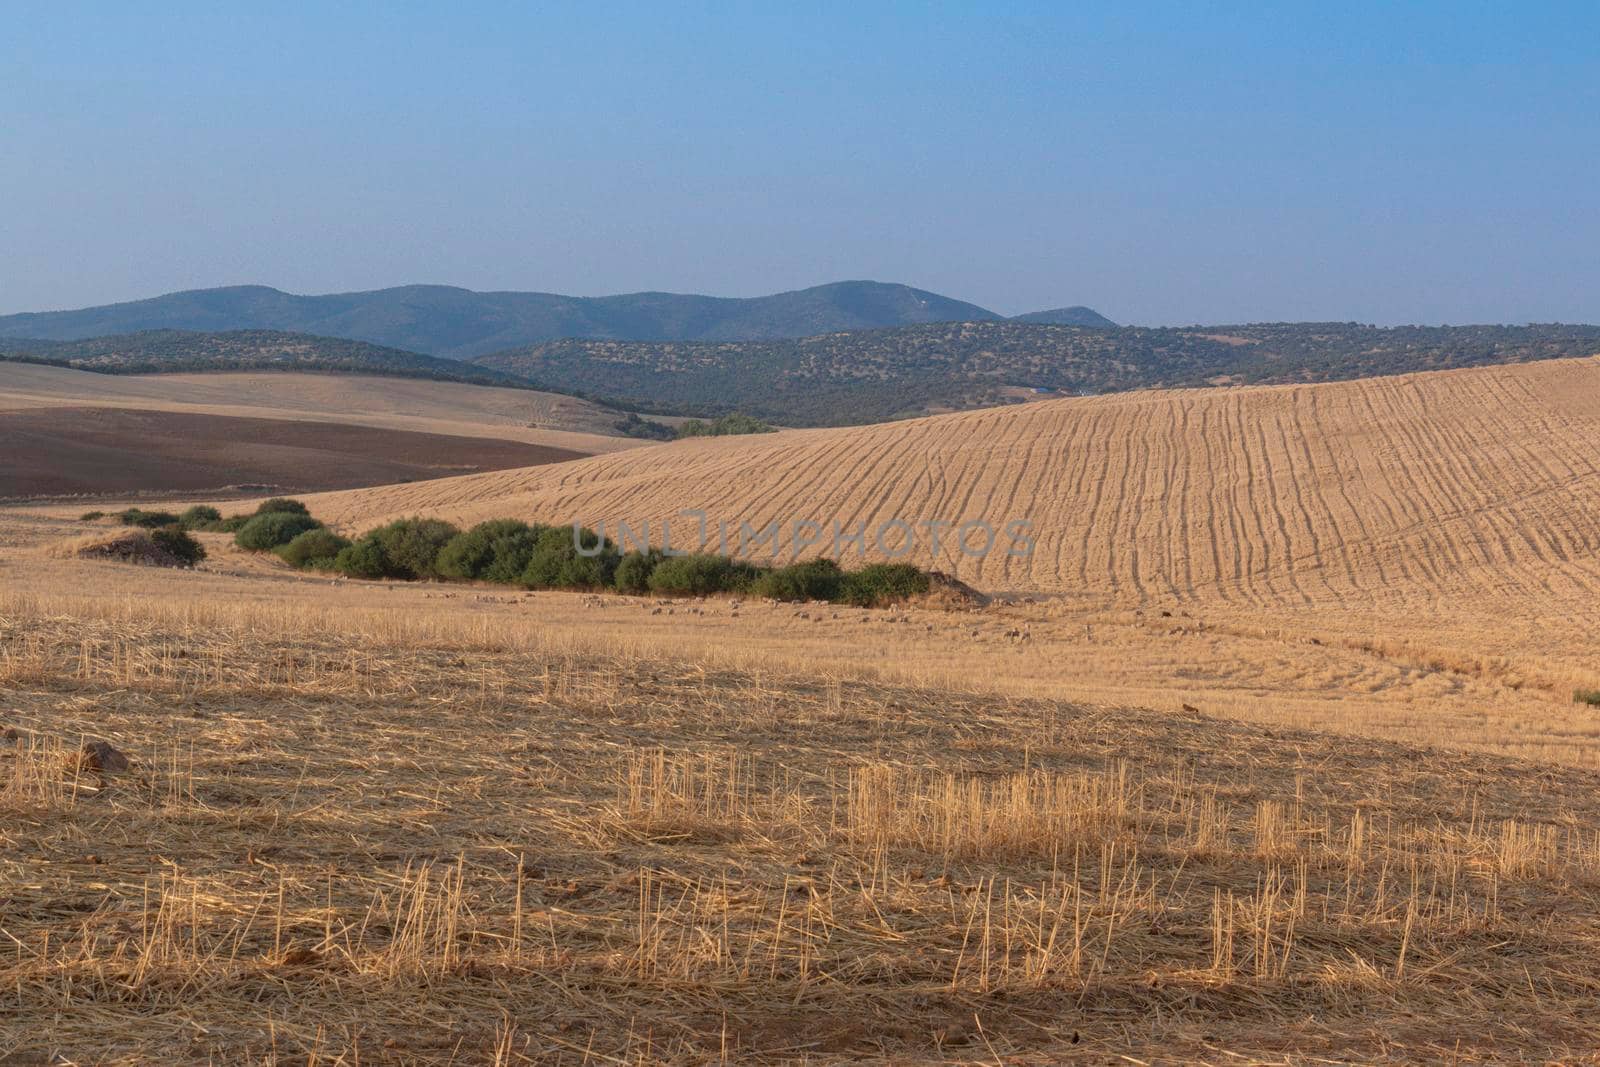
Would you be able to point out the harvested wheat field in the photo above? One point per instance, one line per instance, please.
(334, 836)
(1269, 755)
(1372, 551)
(1478, 483)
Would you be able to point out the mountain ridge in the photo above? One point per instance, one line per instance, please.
(457, 323)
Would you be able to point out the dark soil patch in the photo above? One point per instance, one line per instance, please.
(70, 451)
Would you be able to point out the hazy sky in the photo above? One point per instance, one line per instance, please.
(1385, 163)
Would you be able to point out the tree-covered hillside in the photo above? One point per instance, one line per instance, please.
(866, 376)
(177, 351)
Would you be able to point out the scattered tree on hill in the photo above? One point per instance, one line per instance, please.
(649, 429)
(726, 426)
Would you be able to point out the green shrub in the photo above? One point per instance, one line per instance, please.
(1587, 696)
(817, 579)
(148, 520)
(557, 564)
(634, 426)
(471, 554)
(178, 542)
(412, 546)
(512, 554)
(878, 584)
(319, 545)
(363, 559)
(701, 575)
(274, 528)
(90, 516)
(282, 505)
(728, 425)
(199, 517)
(232, 524)
(634, 569)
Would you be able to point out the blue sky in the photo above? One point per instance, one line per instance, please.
(1164, 164)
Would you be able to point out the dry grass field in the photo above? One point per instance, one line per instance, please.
(1268, 755)
(352, 836)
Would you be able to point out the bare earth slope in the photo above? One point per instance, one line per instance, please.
(388, 403)
(1393, 490)
(62, 451)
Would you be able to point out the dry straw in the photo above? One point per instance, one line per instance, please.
(369, 838)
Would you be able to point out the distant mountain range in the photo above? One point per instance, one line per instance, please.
(459, 323)
(717, 356)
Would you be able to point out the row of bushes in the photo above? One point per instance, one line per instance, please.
(510, 552)
(727, 426)
(172, 534)
(199, 517)
(736, 423)
(532, 556)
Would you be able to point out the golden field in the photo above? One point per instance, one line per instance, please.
(372, 836)
(1268, 753)
(1395, 491)
(1418, 553)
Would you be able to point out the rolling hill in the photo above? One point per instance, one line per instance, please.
(870, 376)
(95, 451)
(1416, 555)
(72, 432)
(179, 351)
(459, 323)
(391, 403)
(1479, 484)
(1077, 315)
